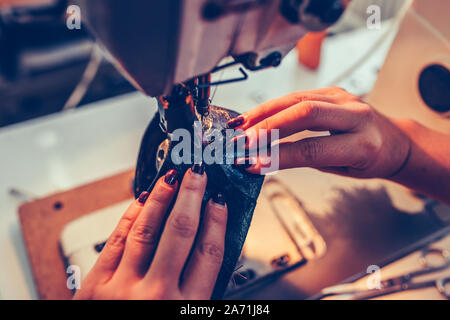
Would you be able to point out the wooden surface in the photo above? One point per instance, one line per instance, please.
(42, 221)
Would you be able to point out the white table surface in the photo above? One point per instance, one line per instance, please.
(65, 150)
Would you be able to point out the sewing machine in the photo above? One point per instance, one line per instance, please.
(185, 42)
(170, 49)
(159, 44)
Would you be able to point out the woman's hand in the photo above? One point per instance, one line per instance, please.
(145, 258)
(363, 143)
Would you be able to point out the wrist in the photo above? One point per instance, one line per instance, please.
(403, 144)
(404, 163)
(427, 169)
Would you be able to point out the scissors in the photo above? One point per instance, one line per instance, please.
(355, 291)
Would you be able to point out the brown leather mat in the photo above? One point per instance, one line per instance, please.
(42, 221)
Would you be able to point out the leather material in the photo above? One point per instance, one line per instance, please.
(240, 188)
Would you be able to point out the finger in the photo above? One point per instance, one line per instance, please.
(206, 260)
(341, 150)
(112, 252)
(308, 115)
(271, 107)
(144, 235)
(180, 229)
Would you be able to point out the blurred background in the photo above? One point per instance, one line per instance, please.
(42, 62)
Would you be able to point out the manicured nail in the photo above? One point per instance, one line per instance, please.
(143, 197)
(171, 177)
(198, 168)
(244, 162)
(219, 198)
(236, 122)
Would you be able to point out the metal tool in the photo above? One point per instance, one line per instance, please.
(355, 291)
(292, 215)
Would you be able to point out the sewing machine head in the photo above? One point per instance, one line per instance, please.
(160, 43)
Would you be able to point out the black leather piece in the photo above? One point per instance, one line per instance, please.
(240, 188)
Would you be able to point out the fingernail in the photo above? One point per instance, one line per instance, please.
(219, 198)
(243, 163)
(143, 197)
(198, 168)
(236, 122)
(171, 177)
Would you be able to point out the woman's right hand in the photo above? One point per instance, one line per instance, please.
(362, 142)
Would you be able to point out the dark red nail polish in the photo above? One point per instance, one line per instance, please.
(236, 122)
(143, 197)
(219, 198)
(198, 168)
(171, 177)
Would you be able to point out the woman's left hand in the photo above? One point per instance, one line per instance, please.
(147, 259)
